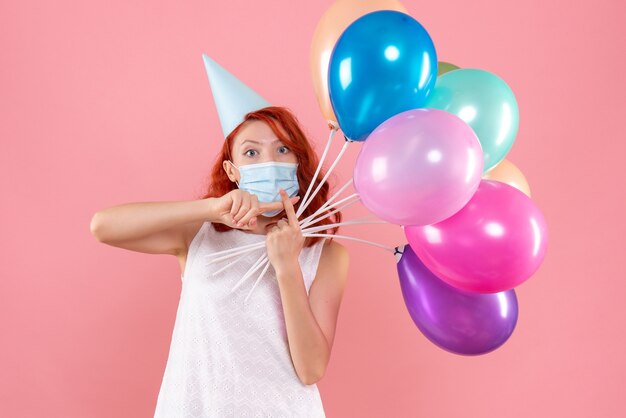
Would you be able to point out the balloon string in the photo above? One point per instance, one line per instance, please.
(314, 221)
(375, 244)
(319, 167)
(302, 222)
(326, 206)
(330, 170)
(240, 251)
(308, 220)
(234, 252)
(267, 265)
(328, 202)
(235, 261)
(354, 222)
(257, 265)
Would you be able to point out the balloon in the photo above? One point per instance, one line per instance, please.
(332, 24)
(444, 67)
(497, 241)
(384, 63)
(485, 102)
(460, 322)
(418, 167)
(508, 173)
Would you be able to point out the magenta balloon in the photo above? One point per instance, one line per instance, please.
(461, 322)
(497, 241)
(418, 167)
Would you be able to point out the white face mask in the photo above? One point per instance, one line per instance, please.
(266, 179)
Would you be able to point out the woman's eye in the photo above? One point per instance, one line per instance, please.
(283, 149)
(247, 153)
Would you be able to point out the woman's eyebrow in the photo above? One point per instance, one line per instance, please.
(256, 142)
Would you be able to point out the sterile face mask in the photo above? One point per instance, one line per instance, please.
(265, 179)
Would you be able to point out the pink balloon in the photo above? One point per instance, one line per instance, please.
(418, 167)
(497, 241)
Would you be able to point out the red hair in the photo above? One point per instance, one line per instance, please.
(296, 140)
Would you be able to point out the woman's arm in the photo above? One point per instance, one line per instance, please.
(165, 227)
(151, 227)
(311, 319)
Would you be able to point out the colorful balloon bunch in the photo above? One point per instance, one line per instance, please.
(434, 139)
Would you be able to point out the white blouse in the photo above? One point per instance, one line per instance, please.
(228, 358)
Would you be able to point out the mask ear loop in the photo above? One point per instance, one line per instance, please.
(231, 163)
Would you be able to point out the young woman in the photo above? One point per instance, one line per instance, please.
(230, 355)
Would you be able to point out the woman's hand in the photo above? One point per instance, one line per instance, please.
(285, 240)
(239, 209)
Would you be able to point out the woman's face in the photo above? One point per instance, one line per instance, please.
(256, 143)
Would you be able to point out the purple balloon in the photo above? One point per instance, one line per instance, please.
(496, 242)
(460, 322)
(418, 167)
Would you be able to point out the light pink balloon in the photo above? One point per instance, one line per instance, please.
(497, 241)
(418, 167)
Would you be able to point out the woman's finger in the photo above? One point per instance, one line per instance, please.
(291, 213)
(243, 209)
(267, 207)
(252, 212)
(236, 197)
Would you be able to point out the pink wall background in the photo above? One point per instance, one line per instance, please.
(106, 102)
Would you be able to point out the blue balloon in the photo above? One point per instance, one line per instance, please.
(383, 64)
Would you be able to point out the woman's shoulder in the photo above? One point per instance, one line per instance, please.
(334, 250)
(333, 263)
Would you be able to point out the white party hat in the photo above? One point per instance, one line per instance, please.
(233, 99)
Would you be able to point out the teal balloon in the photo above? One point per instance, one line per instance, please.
(486, 103)
(383, 64)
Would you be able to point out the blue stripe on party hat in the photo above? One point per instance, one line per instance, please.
(233, 99)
